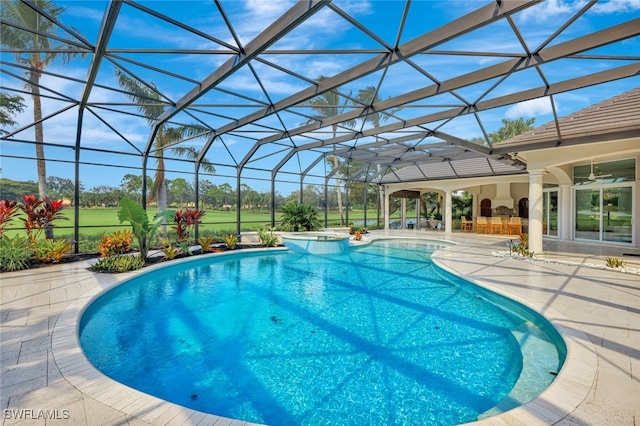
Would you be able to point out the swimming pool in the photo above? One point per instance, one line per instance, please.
(374, 336)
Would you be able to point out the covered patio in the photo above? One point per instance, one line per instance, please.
(561, 163)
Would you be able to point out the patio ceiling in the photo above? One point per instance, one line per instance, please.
(257, 105)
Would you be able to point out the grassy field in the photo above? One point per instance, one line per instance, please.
(95, 222)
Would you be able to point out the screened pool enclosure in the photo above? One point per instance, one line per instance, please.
(241, 105)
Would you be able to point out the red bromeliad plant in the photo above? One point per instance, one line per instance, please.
(8, 209)
(40, 213)
(184, 220)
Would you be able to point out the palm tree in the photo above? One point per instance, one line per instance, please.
(330, 104)
(299, 217)
(149, 104)
(368, 96)
(36, 52)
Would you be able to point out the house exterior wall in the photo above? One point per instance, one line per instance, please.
(556, 164)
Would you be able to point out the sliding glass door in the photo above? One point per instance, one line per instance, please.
(617, 206)
(604, 214)
(587, 214)
(550, 213)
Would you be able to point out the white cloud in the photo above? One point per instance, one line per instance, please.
(532, 108)
(550, 9)
(616, 6)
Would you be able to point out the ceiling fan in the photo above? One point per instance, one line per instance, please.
(592, 175)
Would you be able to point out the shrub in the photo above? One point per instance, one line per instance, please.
(185, 220)
(614, 262)
(51, 251)
(170, 252)
(15, 253)
(8, 209)
(230, 240)
(118, 242)
(40, 214)
(300, 217)
(206, 242)
(143, 230)
(267, 238)
(118, 263)
(354, 228)
(522, 248)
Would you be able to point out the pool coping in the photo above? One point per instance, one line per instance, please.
(574, 380)
(563, 396)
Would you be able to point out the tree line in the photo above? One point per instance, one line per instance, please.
(181, 194)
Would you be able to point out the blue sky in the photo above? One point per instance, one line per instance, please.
(326, 30)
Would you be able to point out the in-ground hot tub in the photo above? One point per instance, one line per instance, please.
(316, 242)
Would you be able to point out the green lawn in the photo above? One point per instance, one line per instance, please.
(94, 222)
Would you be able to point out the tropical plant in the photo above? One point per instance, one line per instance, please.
(143, 230)
(170, 252)
(185, 220)
(614, 262)
(522, 248)
(206, 243)
(51, 251)
(330, 104)
(299, 217)
(8, 209)
(267, 238)
(40, 214)
(230, 240)
(22, 30)
(355, 228)
(118, 242)
(118, 263)
(15, 253)
(151, 105)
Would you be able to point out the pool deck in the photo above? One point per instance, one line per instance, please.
(45, 378)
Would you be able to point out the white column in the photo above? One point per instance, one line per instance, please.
(566, 211)
(474, 206)
(386, 208)
(535, 211)
(417, 213)
(403, 213)
(448, 207)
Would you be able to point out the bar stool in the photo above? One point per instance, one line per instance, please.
(514, 227)
(496, 223)
(466, 225)
(481, 223)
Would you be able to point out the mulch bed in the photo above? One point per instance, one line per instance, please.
(152, 260)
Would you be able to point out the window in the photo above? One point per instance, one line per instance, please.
(608, 172)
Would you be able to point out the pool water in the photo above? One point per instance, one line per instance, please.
(376, 336)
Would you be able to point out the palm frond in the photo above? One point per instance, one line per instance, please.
(192, 154)
(146, 96)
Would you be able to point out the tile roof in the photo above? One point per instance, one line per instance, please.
(614, 118)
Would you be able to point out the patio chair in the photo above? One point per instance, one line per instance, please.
(496, 224)
(514, 227)
(466, 225)
(482, 224)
